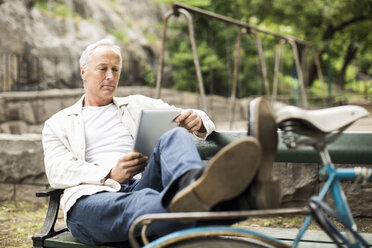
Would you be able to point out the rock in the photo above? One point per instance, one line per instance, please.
(298, 182)
(41, 47)
(7, 192)
(21, 159)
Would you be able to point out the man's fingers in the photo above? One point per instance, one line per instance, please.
(137, 169)
(188, 118)
(133, 160)
(183, 116)
(131, 156)
(192, 123)
(128, 166)
(194, 128)
(191, 126)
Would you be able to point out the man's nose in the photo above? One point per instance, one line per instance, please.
(109, 75)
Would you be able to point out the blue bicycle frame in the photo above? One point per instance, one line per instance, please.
(333, 177)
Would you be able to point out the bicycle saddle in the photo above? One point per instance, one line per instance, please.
(325, 120)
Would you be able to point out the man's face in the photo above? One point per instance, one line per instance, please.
(101, 77)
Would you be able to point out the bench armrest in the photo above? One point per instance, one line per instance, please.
(50, 192)
(47, 229)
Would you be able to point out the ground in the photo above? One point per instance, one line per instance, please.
(19, 222)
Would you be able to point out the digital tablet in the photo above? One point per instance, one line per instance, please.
(152, 124)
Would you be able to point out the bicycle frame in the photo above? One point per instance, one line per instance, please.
(333, 177)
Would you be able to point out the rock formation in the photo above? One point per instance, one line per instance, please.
(41, 40)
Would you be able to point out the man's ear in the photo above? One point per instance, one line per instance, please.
(82, 73)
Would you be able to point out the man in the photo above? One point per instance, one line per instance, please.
(88, 153)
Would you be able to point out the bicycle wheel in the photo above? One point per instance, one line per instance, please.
(215, 237)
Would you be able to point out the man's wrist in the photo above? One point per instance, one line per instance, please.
(202, 129)
(106, 177)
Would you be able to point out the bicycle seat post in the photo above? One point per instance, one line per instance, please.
(324, 155)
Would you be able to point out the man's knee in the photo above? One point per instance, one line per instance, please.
(178, 132)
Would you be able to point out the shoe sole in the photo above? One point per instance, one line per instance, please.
(267, 188)
(262, 126)
(228, 174)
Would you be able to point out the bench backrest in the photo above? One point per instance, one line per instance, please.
(349, 148)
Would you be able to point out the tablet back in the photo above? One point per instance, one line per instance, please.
(152, 124)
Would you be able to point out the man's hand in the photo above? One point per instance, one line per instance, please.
(191, 121)
(128, 166)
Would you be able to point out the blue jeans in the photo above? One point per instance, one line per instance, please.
(106, 216)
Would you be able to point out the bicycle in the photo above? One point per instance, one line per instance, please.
(316, 128)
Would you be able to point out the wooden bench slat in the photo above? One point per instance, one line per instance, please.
(66, 240)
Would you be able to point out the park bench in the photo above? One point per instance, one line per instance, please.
(350, 148)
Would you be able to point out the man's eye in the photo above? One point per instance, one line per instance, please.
(115, 69)
(102, 69)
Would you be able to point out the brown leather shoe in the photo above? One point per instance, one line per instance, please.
(262, 126)
(228, 175)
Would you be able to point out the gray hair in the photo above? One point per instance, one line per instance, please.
(85, 56)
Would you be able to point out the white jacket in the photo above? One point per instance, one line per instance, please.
(64, 148)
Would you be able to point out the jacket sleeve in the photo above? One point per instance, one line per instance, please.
(63, 167)
(207, 122)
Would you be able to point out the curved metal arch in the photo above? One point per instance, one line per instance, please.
(276, 68)
(300, 68)
(262, 61)
(177, 12)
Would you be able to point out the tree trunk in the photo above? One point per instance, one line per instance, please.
(312, 74)
(351, 52)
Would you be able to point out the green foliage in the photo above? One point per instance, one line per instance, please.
(183, 68)
(62, 10)
(55, 8)
(148, 76)
(318, 88)
(330, 25)
(358, 86)
(120, 35)
(41, 5)
(111, 3)
(364, 61)
(198, 3)
(151, 38)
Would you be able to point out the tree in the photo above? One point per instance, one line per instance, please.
(341, 24)
(339, 29)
